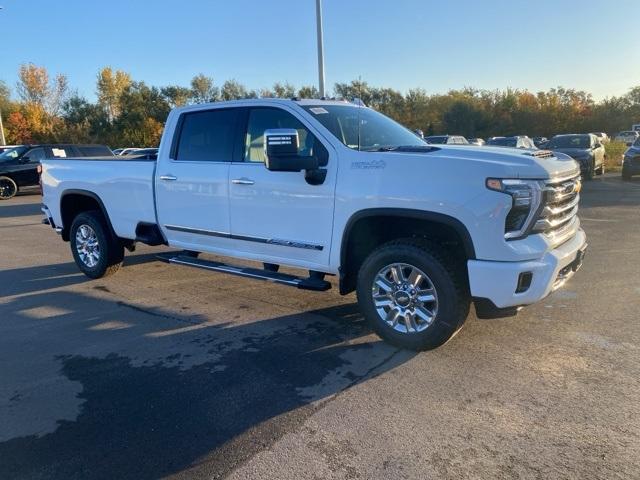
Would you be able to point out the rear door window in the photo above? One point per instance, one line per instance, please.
(207, 136)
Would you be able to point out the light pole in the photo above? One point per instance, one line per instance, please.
(320, 48)
(2, 140)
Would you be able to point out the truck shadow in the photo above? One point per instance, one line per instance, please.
(19, 210)
(34, 279)
(162, 392)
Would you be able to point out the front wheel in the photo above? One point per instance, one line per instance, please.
(8, 188)
(412, 294)
(590, 170)
(96, 251)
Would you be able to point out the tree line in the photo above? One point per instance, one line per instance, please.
(127, 112)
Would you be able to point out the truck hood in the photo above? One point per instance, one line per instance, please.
(511, 162)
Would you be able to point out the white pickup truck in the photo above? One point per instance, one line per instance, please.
(418, 231)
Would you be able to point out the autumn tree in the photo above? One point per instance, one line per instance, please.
(109, 89)
(34, 88)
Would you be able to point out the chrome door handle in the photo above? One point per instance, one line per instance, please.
(168, 178)
(242, 181)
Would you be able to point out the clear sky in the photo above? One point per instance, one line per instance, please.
(592, 45)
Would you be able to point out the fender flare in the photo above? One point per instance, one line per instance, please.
(442, 218)
(86, 193)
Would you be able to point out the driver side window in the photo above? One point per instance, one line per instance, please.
(261, 119)
(35, 155)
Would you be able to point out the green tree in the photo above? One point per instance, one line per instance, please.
(203, 89)
(177, 96)
(233, 90)
(308, 91)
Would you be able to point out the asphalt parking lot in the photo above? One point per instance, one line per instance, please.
(166, 371)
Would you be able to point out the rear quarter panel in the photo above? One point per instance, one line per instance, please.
(125, 188)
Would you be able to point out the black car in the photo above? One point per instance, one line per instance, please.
(631, 161)
(19, 166)
(585, 148)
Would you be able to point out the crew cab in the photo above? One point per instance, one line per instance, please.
(419, 231)
(19, 165)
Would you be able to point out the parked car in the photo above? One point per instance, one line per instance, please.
(540, 142)
(631, 161)
(125, 151)
(447, 140)
(515, 141)
(628, 137)
(476, 141)
(259, 179)
(4, 148)
(19, 166)
(585, 148)
(149, 153)
(602, 137)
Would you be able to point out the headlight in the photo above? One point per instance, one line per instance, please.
(525, 202)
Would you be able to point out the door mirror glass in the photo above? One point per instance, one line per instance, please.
(281, 152)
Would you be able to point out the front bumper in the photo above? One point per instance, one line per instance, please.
(498, 281)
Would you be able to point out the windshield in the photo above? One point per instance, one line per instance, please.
(503, 142)
(570, 141)
(375, 130)
(12, 154)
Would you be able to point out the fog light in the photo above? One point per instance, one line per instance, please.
(524, 282)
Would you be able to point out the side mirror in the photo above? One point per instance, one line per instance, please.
(281, 152)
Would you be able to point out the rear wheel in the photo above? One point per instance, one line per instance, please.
(95, 249)
(8, 188)
(590, 170)
(412, 294)
(601, 170)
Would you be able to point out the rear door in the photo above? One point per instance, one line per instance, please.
(192, 180)
(281, 215)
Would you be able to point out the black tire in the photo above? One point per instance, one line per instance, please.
(109, 248)
(588, 175)
(8, 188)
(625, 174)
(447, 276)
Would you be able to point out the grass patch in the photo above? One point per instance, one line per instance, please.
(615, 152)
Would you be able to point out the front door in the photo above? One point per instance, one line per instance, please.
(192, 180)
(280, 217)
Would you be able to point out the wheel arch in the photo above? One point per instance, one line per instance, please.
(377, 224)
(75, 201)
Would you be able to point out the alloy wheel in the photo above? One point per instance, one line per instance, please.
(405, 298)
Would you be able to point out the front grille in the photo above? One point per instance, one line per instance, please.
(559, 208)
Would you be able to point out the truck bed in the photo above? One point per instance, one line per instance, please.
(123, 185)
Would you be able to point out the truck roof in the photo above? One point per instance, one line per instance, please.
(265, 101)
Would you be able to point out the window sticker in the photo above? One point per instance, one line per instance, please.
(59, 152)
(318, 110)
